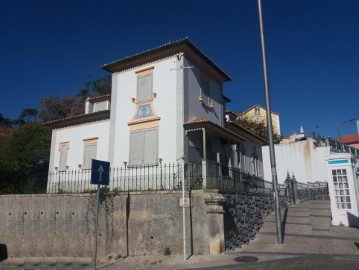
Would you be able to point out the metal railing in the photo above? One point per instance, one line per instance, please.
(339, 147)
(227, 178)
(206, 175)
(141, 178)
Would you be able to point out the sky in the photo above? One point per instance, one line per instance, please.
(53, 47)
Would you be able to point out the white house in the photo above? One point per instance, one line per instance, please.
(166, 107)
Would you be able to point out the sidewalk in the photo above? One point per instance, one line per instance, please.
(309, 243)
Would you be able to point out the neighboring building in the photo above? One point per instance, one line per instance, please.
(350, 140)
(305, 159)
(248, 154)
(166, 107)
(258, 114)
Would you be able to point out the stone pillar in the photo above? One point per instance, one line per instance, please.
(294, 188)
(215, 214)
(288, 187)
(204, 174)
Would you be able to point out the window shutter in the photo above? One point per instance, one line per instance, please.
(136, 151)
(90, 151)
(63, 157)
(100, 106)
(144, 88)
(150, 151)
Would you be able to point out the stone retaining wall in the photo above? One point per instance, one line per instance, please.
(244, 216)
(129, 224)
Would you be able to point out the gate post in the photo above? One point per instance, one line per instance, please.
(215, 219)
(204, 174)
(294, 187)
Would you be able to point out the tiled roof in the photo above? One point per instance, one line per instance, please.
(350, 138)
(198, 123)
(112, 66)
(79, 119)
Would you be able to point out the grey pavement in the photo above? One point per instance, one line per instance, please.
(310, 242)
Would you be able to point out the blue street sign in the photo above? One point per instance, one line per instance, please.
(100, 173)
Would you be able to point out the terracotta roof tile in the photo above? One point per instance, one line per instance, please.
(350, 138)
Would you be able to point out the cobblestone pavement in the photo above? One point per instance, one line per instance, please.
(310, 242)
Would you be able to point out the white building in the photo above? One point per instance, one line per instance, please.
(305, 159)
(166, 106)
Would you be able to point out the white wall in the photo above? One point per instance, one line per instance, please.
(301, 158)
(164, 105)
(75, 136)
(193, 107)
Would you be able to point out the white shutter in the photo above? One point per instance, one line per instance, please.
(64, 148)
(100, 106)
(144, 88)
(136, 148)
(150, 151)
(90, 151)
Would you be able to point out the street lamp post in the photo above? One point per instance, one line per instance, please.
(339, 135)
(270, 130)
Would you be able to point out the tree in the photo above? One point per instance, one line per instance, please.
(27, 158)
(54, 107)
(98, 87)
(258, 128)
(27, 114)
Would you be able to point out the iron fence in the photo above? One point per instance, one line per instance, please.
(339, 147)
(140, 178)
(227, 178)
(205, 175)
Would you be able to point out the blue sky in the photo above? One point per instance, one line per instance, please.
(53, 47)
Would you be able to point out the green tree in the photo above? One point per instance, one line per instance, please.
(27, 160)
(27, 115)
(98, 87)
(258, 128)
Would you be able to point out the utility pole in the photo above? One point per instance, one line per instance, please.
(270, 129)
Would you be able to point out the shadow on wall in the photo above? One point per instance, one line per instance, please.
(3, 252)
(353, 221)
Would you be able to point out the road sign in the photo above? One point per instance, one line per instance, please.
(100, 173)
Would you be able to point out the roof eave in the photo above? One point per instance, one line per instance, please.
(168, 48)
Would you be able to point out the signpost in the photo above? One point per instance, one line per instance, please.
(100, 175)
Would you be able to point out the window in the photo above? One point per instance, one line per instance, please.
(144, 88)
(64, 148)
(101, 106)
(257, 111)
(90, 152)
(341, 188)
(144, 147)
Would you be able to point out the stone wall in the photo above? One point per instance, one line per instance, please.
(137, 223)
(244, 216)
(129, 224)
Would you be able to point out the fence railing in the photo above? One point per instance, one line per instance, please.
(227, 178)
(205, 175)
(141, 178)
(343, 147)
